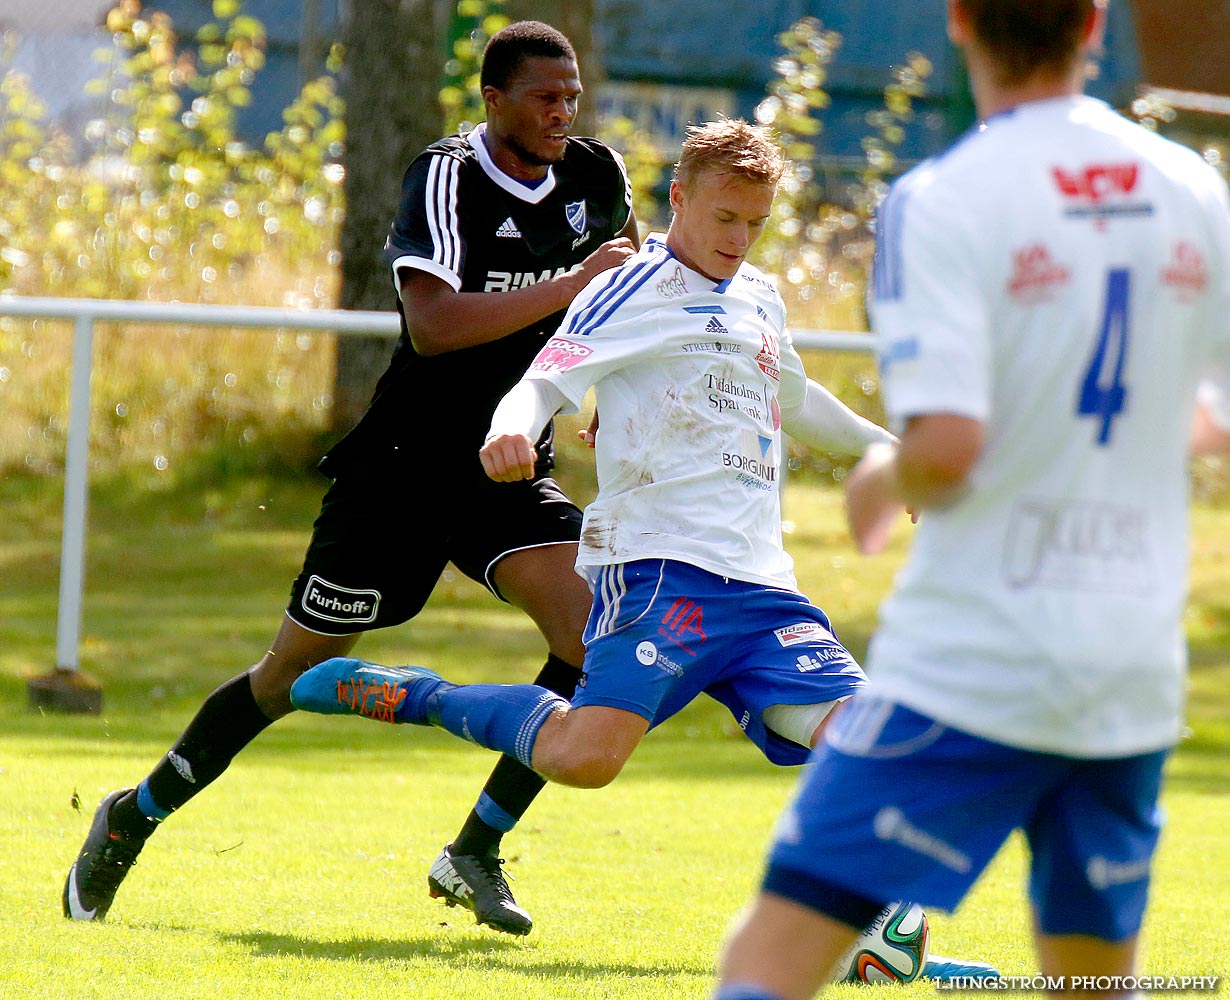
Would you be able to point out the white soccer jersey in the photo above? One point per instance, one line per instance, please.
(688, 375)
(1059, 275)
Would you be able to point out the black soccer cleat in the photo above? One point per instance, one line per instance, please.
(478, 884)
(100, 867)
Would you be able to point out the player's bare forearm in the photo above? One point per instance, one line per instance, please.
(935, 457)
(928, 469)
(873, 499)
(440, 319)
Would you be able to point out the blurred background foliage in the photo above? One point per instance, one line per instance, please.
(157, 199)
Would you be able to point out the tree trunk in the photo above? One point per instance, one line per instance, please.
(390, 86)
(575, 19)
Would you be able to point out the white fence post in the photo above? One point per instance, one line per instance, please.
(76, 498)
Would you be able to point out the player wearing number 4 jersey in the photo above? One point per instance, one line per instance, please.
(1047, 294)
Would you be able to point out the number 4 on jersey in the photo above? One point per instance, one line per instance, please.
(1099, 399)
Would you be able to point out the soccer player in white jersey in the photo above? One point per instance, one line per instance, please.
(1045, 293)
(695, 376)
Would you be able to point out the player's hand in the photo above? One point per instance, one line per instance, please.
(508, 458)
(872, 503)
(590, 434)
(611, 254)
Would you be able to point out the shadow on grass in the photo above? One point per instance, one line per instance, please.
(480, 951)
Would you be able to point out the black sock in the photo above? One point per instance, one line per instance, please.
(227, 721)
(512, 786)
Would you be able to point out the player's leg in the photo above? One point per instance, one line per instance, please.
(784, 688)
(805, 724)
(791, 681)
(227, 721)
(1088, 957)
(347, 585)
(543, 583)
(581, 746)
(1092, 841)
(525, 555)
(781, 949)
(630, 683)
(790, 674)
(894, 806)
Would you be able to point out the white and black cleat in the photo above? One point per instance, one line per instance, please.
(479, 885)
(100, 867)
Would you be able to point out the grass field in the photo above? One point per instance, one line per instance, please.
(301, 873)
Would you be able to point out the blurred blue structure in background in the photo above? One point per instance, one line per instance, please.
(668, 63)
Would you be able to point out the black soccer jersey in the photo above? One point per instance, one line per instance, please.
(468, 223)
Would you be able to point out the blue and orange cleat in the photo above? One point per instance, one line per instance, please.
(348, 686)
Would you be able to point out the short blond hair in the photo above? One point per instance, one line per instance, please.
(732, 147)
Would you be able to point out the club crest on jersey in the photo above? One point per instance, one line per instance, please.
(577, 217)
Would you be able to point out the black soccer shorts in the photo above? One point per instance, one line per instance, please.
(379, 545)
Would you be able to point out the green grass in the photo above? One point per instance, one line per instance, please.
(301, 872)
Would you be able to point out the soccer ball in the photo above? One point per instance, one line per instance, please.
(893, 948)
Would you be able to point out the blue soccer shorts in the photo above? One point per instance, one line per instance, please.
(660, 632)
(894, 805)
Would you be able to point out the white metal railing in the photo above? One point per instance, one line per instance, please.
(86, 312)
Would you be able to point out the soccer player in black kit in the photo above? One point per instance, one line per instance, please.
(497, 231)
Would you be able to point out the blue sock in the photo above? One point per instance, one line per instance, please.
(744, 991)
(503, 717)
(493, 814)
(147, 805)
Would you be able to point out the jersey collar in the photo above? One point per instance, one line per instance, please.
(533, 195)
(657, 241)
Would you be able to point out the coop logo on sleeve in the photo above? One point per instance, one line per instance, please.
(559, 355)
(339, 604)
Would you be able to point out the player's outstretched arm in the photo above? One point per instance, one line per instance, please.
(508, 454)
(929, 468)
(440, 319)
(824, 422)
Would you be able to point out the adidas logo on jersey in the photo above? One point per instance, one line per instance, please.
(508, 229)
(714, 326)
